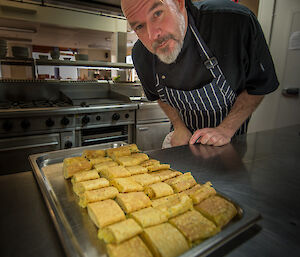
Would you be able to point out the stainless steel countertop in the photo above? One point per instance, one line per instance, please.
(260, 170)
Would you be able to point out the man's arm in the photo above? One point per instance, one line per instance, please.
(181, 135)
(243, 107)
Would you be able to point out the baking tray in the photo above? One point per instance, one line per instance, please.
(77, 232)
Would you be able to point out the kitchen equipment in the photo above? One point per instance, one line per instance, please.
(79, 235)
(55, 54)
(43, 57)
(20, 52)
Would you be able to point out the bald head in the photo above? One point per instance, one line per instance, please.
(159, 24)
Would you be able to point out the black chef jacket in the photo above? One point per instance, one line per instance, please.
(235, 38)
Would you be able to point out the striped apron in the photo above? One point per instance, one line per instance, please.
(207, 106)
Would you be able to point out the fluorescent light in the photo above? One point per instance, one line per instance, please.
(18, 30)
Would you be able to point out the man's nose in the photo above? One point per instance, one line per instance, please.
(154, 31)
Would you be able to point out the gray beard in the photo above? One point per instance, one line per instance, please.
(169, 57)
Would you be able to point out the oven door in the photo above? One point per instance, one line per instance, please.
(14, 151)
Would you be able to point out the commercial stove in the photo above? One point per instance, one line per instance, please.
(39, 118)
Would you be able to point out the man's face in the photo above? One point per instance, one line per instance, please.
(160, 25)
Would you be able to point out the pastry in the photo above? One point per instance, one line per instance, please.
(84, 175)
(150, 163)
(98, 160)
(119, 232)
(205, 191)
(217, 209)
(73, 165)
(126, 185)
(145, 179)
(149, 217)
(165, 174)
(137, 169)
(104, 213)
(182, 182)
(101, 166)
(91, 154)
(158, 167)
(194, 226)
(132, 160)
(114, 172)
(97, 195)
(134, 247)
(133, 201)
(158, 190)
(164, 240)
(81, 187)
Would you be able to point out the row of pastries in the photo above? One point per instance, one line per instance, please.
(142, 207)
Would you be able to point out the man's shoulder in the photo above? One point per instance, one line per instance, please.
(221, 6)
(138, 51)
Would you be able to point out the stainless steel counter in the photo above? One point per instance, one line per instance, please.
(260, 170)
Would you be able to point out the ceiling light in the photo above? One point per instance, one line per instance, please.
(18, 30)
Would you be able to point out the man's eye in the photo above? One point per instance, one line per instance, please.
(157, 14)
(138, 27)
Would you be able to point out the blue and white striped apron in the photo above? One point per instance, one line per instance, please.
(207, 106)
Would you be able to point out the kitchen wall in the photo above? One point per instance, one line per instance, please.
(279, 20)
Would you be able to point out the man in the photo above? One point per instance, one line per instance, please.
(209, 68)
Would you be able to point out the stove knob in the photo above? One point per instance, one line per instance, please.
(85, 120)
(25, 124)
(116, 116)
(7, 125)
(68, 144)
(50, 122)
(127, 115)
(98, 117)
(65, 121)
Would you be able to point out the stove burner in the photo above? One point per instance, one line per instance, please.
(34, 104)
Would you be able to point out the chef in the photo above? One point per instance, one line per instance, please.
(209, 68)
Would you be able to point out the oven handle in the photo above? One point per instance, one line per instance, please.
(27, 146)
(95, 140)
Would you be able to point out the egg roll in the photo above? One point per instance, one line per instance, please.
(99, 160)
(182, 182)
(85, 175)
(156, 167)
(126, 185)
(81, 187)
(104, 213)
(74, 165)
(131, 147)
(97, 195)
(149, 217)
(91, 154)
(133, 159)
(133, 201)
(163, 200)
(114, 172)
(176, 205)
(217, 209)
(158, 190)
(165, 240)
(104, 165)
(150, 163)
(205, 191)
(194, 226)
(145, 179)
(137, 169)
(134, 247)
(165, 174)
(119, 232)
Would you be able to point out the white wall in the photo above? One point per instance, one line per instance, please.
(279, 18)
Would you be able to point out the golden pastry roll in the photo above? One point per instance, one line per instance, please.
(73, 165)
(145, 179)
(99, 160)
(91, 154)
(114, 172)
(104, 213)
(217, 209)
(194, 226)
(119, 232)
(191, 191)
(182, 182)
(133, 201)
(140, 156)
(126, 185)
(203, 192)
(97, 195)
(104, 165)
(137, 169)
(121, 152)
(81, 187)
(131, 147)
(176, 205)
(150, 163)
(165, 240)
(158, 190)
(85, 175)
(156, 167)
(133, 159)
(149, 217)
(134, 247)
(163, 200)
(165, 174)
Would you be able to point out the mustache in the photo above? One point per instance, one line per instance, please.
(161, 40)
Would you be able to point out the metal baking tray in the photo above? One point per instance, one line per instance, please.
(77, 232)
